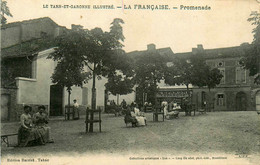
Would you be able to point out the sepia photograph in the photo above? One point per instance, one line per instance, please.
(130, 82)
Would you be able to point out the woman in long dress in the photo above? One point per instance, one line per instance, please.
(27, 134)
(141, 119)
(165, 108)
(41, 121)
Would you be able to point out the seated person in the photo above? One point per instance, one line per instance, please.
(28, 134)
(141, 119)
(130, 118)
(41, 121)
(175, 112)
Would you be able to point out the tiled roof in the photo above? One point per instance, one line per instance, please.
(28, 48)
(236, 51)
(163, 51)
(28, 22)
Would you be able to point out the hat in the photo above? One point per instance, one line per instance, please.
(41, 107)
(27, 106)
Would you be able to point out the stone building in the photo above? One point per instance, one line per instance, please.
(236, 92)
(21, 57)
(26, 71)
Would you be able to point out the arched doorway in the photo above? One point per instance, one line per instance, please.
(257, 101)
(241, 102)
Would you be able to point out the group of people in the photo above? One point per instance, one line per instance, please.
(135, 116)
(173, 108)
(34, 129)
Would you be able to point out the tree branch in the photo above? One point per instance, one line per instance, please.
(89, 66)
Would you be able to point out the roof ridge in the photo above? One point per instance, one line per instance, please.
(27, 22)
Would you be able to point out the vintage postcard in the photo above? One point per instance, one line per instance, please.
(130, 82)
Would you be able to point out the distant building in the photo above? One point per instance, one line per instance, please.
(236, 92)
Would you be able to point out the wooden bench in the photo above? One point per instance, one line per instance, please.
(148, 109)
(90, 119)
(158, 111)
(4, 138)
(156, 114)
(202, 111)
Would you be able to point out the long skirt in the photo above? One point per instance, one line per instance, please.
(140, 120)
(28, 137)
(45, 133)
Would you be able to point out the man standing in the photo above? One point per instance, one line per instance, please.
(123, 104)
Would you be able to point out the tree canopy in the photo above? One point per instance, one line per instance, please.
(251, 60)
(5, 11)
(70, 62)
(193, 71)
(149, 70)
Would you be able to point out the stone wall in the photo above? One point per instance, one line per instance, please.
(12, 110)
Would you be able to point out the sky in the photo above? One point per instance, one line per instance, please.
(225, 25)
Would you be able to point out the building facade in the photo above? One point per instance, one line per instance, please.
(26, 72)
(236, 91)
(26, 75)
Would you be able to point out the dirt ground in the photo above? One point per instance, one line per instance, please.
(214, 132)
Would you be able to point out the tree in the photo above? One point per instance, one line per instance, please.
(149, 68)
(251, 60)
(179, 72)
(70, 62)
(5, 11)
(120, 74)
(202, 75)
(119, 85)
(193, 71)
(99, 49)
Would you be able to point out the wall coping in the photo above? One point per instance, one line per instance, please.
(25, 79)
(45, 52)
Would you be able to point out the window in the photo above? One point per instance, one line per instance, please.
(240, 75)
(222, 71)
(220, 99)
(220, 64)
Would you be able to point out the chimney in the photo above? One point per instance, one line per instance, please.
(151, 47)
(197, 50)
(200, 47)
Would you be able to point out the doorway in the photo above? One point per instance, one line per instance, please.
(56, 95)
(241, 102)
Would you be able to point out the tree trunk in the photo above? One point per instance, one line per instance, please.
(69, 97)
(117, 95)
(155, 91)
(187, 111)
(93, 99)
(209, 102)
(69, 92)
